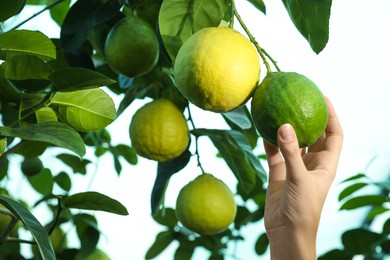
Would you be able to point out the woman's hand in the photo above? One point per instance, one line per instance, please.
(299, 181)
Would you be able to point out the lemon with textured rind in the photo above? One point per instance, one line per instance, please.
(131, 47)
(217, 69)
(289, 97)
(206, 205)
(159, 131)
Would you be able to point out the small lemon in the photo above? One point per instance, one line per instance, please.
(217, 69)
(289, 97)
(206, 205)
(159, 131)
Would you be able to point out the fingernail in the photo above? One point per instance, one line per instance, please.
(286, 132)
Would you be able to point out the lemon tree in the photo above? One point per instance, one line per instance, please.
(61, 96)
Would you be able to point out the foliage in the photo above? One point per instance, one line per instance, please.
(362, 240)
(56, 94)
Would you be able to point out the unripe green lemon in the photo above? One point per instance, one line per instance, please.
(217, 69)
(206, 205)
(97, 254)
(159, 131)
(31, 166)
(131, 47)
(289, 97)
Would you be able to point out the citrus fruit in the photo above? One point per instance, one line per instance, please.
(206, 205)
(159, 131)
(31, 166)
(289, 97)
(131, 47)
(217, 69)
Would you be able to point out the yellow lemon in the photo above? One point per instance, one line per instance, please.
(206, 205)
(159, 131)
(217, 69)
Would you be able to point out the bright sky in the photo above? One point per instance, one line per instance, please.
(351, 71)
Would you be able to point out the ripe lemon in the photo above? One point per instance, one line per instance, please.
(131, 47)
(206, 205)
(217, 69)
(288, 97)
(159, 131)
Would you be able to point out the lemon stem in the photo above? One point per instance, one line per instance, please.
(232, 8)
(263, 54)
(196, 139)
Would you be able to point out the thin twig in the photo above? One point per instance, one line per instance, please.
(36, 14)
(196, 139)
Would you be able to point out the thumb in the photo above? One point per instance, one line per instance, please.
(289, 147)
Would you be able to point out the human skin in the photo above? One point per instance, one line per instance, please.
(299, 181)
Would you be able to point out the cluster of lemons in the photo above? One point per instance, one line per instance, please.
(218, 70)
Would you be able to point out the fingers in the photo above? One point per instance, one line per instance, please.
(333, 132)
(277, 170)
(292, 154)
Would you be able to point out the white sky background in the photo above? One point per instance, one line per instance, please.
(352, 71)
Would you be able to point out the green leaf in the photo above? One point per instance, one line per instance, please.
(3, 167)
(3, 144)
(164, 172)
(239, 118)
(10, 8)
(179, 19)
(166, 217)
(261, 244)
(383, 185)
(23, 67)
(82, 17)
(63, 180)
(18, 42)
(311, 18)
(10, 93)
(55, 133)
(163, 239)
(85, 110)
(71, 79)
(359, 241)
(355, 177)
(78, 165)
(351, 189)
(94, 201)
(59, 12)
(185, 250)
(259, 4)
(88, 233)
(361, 201)
(33, 225)
(238, 154)
(386, 227)
(42, 182)
(46, 114)
(376, 211)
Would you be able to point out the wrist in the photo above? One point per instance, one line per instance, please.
(286, 243)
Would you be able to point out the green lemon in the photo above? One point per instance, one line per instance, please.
(31, 166)
(289, 97)
(131, 47)
(206, 205)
